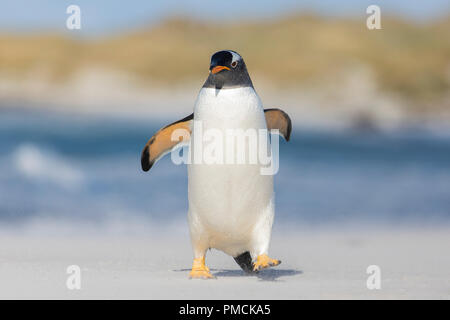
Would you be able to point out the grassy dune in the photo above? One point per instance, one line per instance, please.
(408, 59)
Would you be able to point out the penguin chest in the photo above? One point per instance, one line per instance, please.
(227, 192)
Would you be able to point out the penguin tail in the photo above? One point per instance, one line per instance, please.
(244, 260)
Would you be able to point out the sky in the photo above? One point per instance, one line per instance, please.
(109, 16)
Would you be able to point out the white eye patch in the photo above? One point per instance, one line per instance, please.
(236, 56)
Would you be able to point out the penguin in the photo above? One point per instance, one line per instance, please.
(231, 206)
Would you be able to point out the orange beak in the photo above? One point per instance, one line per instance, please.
(218, 69)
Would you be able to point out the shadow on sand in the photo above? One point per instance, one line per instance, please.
(263, 275)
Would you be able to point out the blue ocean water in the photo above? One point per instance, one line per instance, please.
(74, 168)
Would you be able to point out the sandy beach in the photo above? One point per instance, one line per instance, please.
(363, 181)
(316, 264)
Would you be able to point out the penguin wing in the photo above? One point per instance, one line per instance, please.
(278, 119)
(165, 140)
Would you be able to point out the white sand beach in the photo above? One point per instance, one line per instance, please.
(316, 264)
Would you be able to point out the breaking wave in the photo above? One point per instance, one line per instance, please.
(44, 165)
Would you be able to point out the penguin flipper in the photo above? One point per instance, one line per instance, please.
(166, 139)
(244, 260)
(278, 119)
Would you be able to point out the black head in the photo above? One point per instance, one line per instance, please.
(227, 70)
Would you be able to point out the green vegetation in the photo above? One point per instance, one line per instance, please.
(412, 60)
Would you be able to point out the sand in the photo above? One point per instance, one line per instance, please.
(317, 263)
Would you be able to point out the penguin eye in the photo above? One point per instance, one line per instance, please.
(234, 64)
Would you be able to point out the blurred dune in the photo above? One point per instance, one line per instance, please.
(332, 65)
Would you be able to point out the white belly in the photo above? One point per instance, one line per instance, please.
(229, 202)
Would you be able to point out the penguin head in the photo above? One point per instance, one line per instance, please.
(225, 60)
(227, 70)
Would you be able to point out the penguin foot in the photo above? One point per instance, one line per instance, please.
(200, 270)
(263, 261)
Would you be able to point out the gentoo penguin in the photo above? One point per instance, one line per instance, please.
(231, 206)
